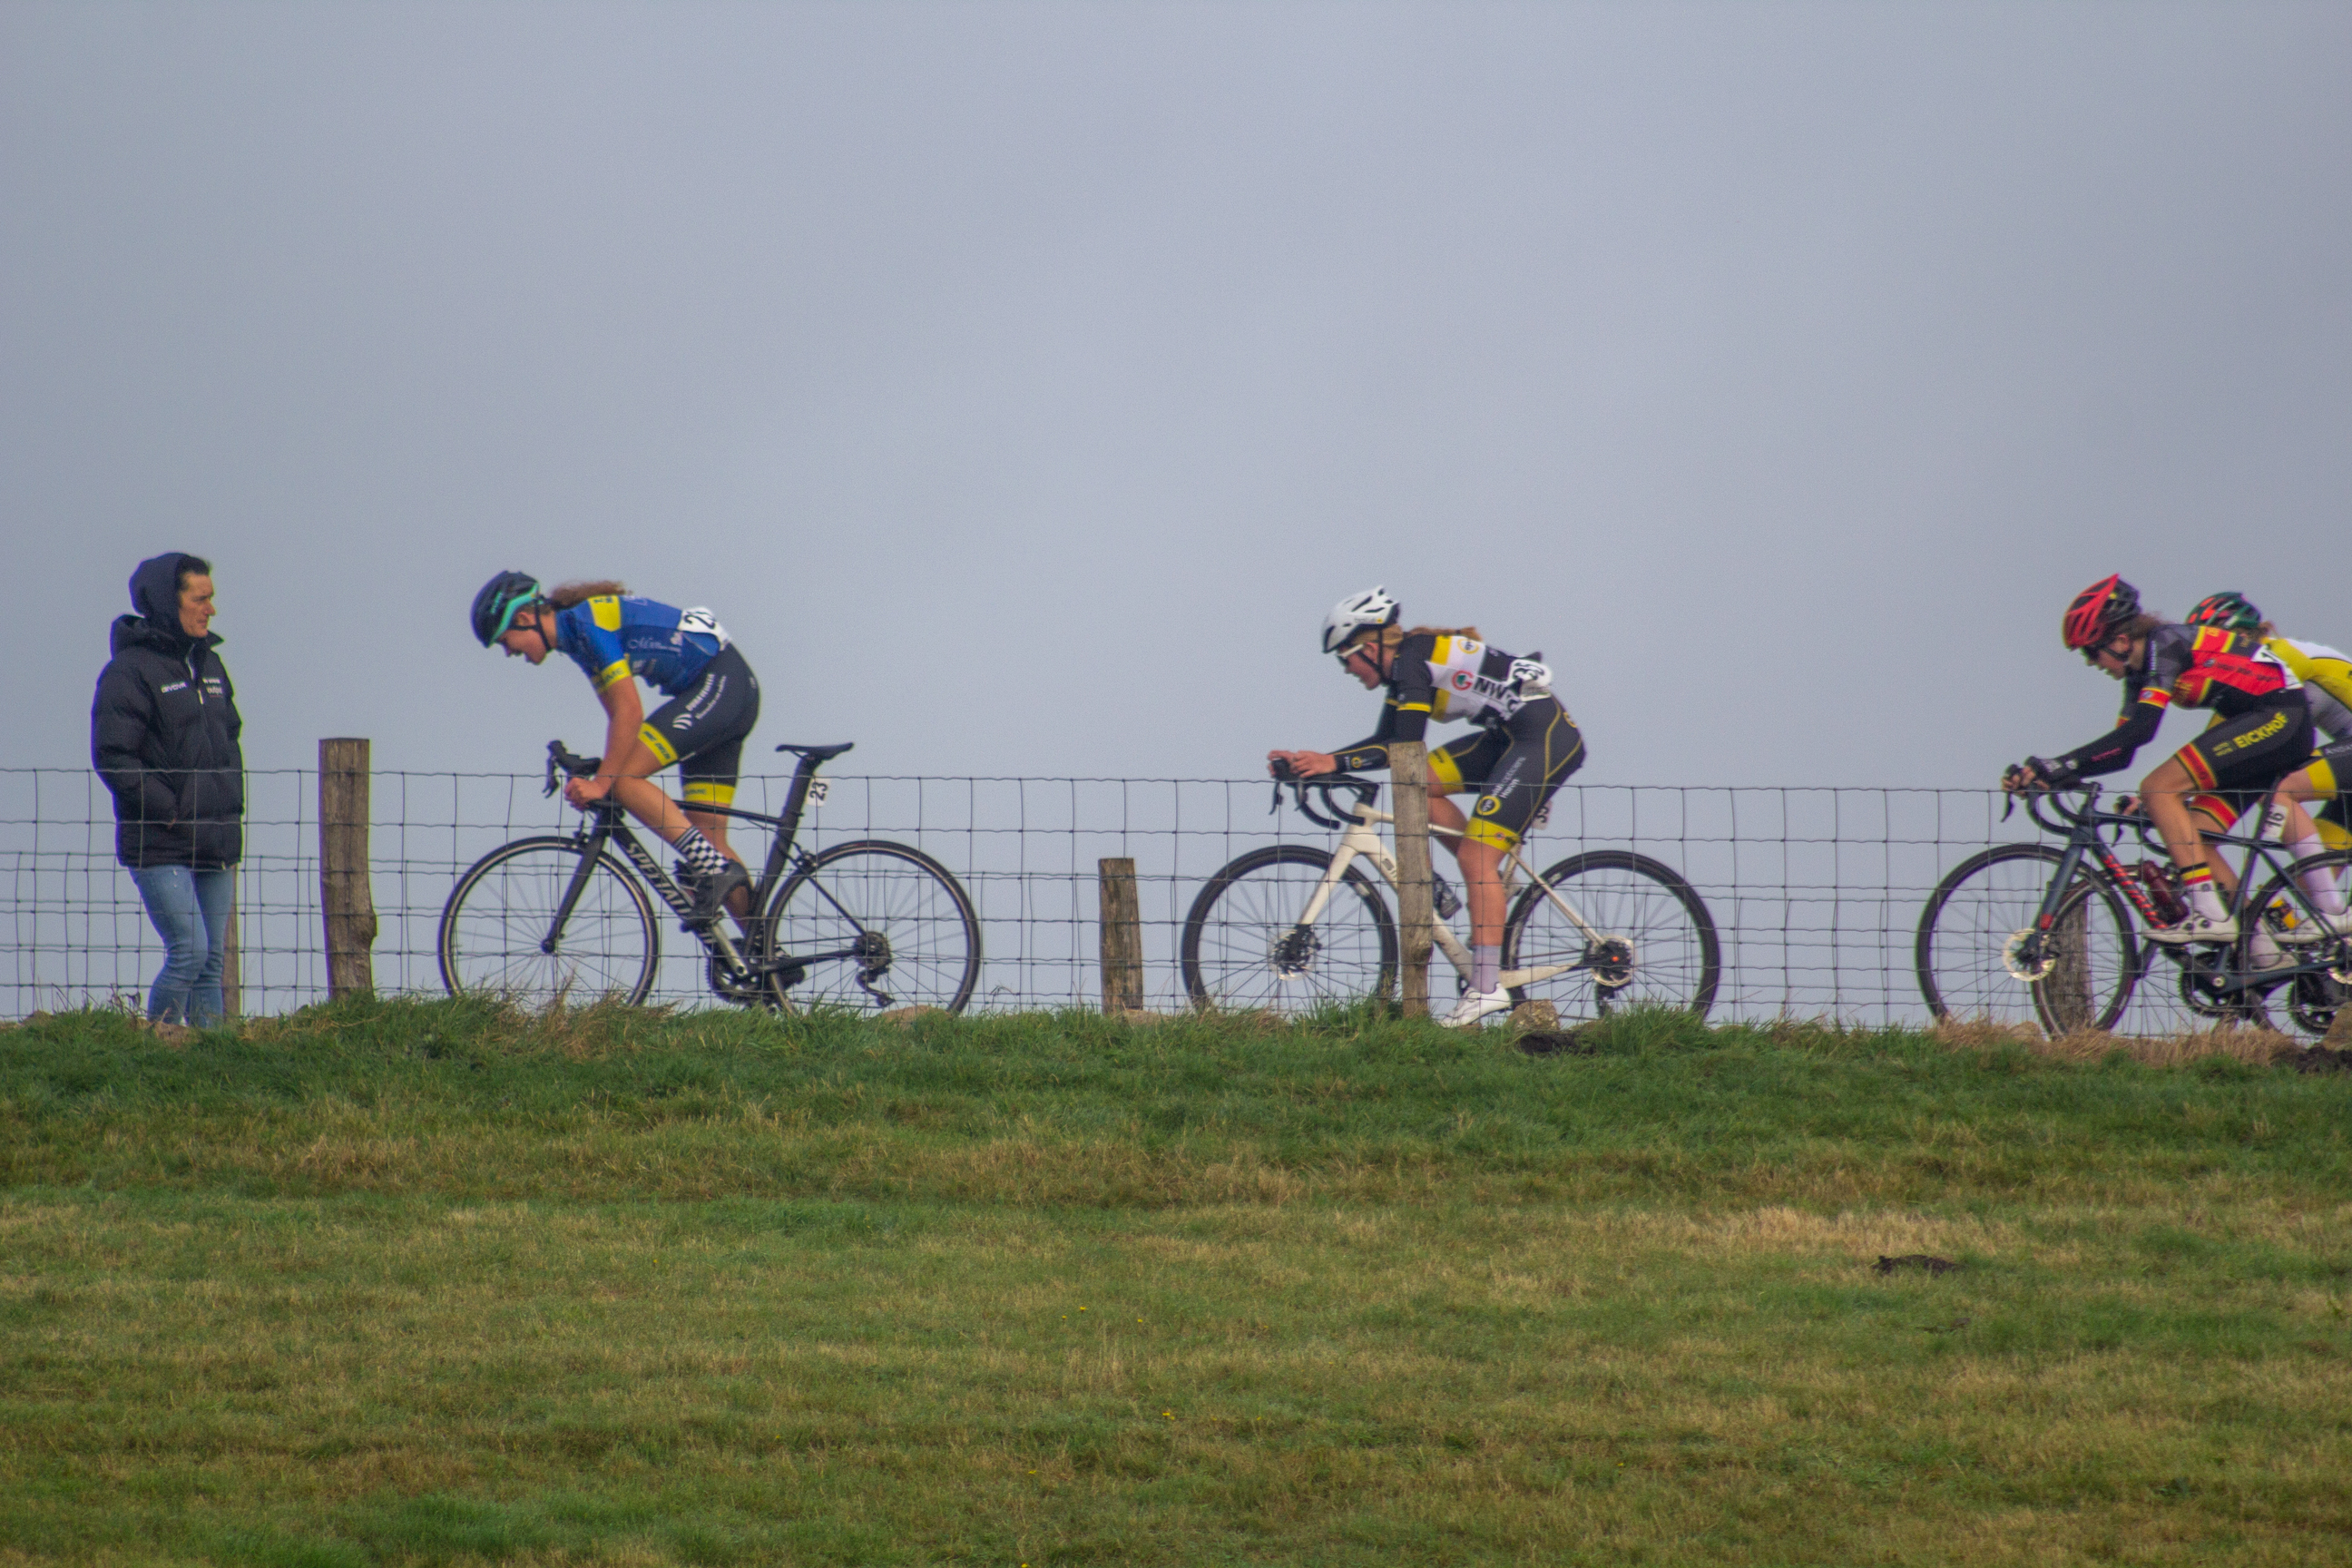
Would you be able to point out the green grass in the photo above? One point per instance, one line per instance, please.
(426, 1283)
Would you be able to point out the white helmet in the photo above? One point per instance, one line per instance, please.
(1356, 613)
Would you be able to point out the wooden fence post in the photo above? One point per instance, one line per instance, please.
(1409, 782)
(343, 893)
(232, 970)
(1122, 939)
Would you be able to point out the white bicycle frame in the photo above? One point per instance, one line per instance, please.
(1362, 842)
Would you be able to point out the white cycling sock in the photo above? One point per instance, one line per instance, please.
(2326, 895)
(2205, 899)
(700, 853)
(1485, 967)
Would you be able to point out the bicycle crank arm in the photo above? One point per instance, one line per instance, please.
(1512, 979)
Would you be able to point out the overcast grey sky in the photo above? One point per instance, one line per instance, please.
(1019, 383)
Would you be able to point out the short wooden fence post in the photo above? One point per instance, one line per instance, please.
(1122, 939)
(1408, 784)
(343, 893)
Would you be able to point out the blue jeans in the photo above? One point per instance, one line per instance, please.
(190, 908)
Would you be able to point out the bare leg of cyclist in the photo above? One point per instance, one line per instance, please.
(2166, 793)
(649, 803)
(1482, 872)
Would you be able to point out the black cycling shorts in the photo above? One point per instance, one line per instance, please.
(1515, 765)
(703, 728)
(2251, 751)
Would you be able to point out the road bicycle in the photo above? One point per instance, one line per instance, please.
(1289, 928)
(2041, 933)
(561, 917)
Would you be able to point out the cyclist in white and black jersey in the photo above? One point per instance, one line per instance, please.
(1525, 744)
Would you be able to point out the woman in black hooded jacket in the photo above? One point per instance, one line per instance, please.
(164, 735)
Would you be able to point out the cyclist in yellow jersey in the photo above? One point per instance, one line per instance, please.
(2326, 677)
(1526, 746)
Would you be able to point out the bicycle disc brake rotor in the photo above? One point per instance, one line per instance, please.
(1294, 951)
(2025, 958)
(1612, 960)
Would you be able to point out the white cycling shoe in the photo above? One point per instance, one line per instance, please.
(2194, 927)
(1474, 1005)
(2326, 927)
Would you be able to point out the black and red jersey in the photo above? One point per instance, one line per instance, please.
(2229, 673)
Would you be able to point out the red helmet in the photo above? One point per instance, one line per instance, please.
(2098, 611)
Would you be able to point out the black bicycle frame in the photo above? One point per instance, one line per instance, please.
(2081, 831)
(608, 823)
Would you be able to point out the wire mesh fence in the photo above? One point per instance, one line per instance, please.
(1816, 892)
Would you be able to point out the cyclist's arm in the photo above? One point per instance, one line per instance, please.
(625, 715)
(1403, 717)
(2117, 747)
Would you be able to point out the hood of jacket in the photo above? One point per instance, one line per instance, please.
(155, 620)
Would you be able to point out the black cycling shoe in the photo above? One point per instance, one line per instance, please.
(711, 894)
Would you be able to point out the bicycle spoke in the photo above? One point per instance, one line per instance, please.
(495, 927)
(1244, 949)
(915, 939)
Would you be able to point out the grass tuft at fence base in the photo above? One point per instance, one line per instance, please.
(409, 1281)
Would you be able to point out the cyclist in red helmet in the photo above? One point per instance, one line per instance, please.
(2264, 732)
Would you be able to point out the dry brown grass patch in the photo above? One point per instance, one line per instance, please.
(2258, 1047)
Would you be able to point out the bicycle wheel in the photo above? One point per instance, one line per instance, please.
(2097, 960)
(909, 933)
(1244, 948)
(2313, 999)
(1657, 942)
(496, 929)
(1964, 927)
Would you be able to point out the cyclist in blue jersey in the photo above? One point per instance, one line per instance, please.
(618, 638)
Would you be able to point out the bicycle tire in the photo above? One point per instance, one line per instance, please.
(930, 936)
(2314, 999)
(1233, 953)
(2092, 992)
(1964, 931)
(496, 922)
(1677, 959)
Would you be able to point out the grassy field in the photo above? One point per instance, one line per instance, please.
(420, 1283)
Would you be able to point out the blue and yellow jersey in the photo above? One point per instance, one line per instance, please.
(615, 635)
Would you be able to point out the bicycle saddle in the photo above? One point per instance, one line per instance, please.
(817, 753)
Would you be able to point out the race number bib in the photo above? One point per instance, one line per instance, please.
(702, 622)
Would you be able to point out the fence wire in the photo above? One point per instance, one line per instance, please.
(1816, 894)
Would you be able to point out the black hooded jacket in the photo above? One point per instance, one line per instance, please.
(163, 735)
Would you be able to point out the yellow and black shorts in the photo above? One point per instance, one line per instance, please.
(1515, 765)
(2331, 774)
(703, 729)
(2251, 752)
